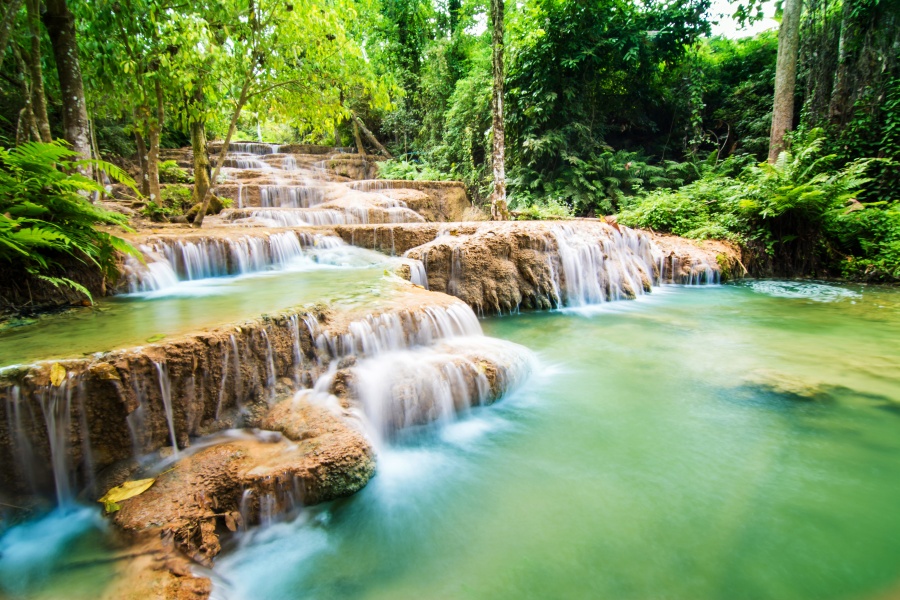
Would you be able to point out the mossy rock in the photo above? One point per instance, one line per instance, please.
(215, 207)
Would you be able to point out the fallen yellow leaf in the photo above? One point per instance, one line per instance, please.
(127, 490)
(57, 374)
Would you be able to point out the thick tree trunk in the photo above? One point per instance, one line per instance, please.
(785, 77)
(9, 8)
(153, 191)
(360, 149)
(38, 99)
(337, 136)
(371, 137)
(201, 161)
(499, 210)
(220, 160)
(142, 159)
(60, 26)
(154, 134)
(22, 127)
(27, 128)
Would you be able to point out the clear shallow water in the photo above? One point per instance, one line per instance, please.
(135, 319)
(725, 442)
(651, 458)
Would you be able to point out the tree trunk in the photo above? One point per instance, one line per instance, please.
(153, 162)
(38, 99)
(499, 211)
(840, 92)
(360, 149)
(337, 135)
(22, 127)
(27, 125)
(785, 77)
(142, 158)
(220, 160)
(155, 132)
(60, 26)
(371, 137)
(201, 161)
(10, 10)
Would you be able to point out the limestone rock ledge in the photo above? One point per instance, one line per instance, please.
(503, 267)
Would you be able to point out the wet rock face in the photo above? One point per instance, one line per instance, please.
(57, 432)
(114, 406)
(250, 480)
(503, 267)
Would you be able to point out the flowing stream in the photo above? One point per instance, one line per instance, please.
(713, 442)
(726, 442)
(730, 442)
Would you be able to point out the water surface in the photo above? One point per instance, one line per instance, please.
(729, 442)
(733, 442)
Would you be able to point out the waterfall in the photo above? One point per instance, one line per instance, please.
(238, 381)
(253, 148)
(371, 185)
(170, 261)
(290, 196)
(602, 269)
(21, 446)
(398, 330)
(165, 390)
(270, 363)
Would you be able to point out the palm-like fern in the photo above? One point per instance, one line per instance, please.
(45, 212)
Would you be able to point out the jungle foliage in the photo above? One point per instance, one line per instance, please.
(631, 108)
(610, 106)
(46, 213)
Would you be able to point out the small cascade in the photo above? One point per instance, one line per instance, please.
(253, 148)
(290, 196)
(289, 163)
(170, 261)
(296, 355)
(455, 271)
(371, 185)
(692, 271)
(270, 363)
(237, 380)
(136, 419)
(603, 269)
(245, 162)
(23, 450)
(397, 330)
(56, 404)
(165, 390)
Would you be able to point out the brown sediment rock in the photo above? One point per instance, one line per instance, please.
(692, 252)
(500, 267)
(218, 488)
(100, 392)
(437, 201)
(153, 568)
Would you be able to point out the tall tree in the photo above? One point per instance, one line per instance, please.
(785, 77)
(33, 58)
(499, 211)
(60, 26)
(8, 11)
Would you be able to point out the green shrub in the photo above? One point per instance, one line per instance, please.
(549, 209)
(170, 172)
(45, 211)
(410, 171)
(870, 239)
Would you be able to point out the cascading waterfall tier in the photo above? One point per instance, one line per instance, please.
(502, 268)
(170, 260)
(124, 404)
